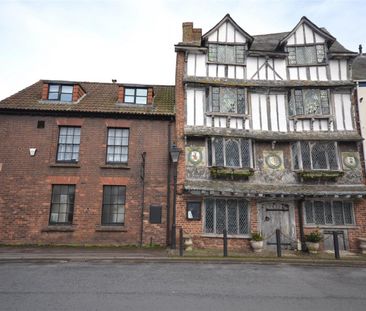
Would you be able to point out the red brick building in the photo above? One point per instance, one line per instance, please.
(269, 133)
(85, 163)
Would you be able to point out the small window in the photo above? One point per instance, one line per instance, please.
(306, 55)
(309, 102)
(117, 145)
(113, 211)
(60, 92)
(136, 96)
(229, 54)
(62, 204)
(228, 100)
(68, 144)
(40, 124)
(155, 214)
(229, 152)
(193, 210)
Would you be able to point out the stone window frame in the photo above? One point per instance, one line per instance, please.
(114, 196)
(323, 213)
(62, 197)
(242, 143)
(59, 92)
(218, 96)
(299, 156)
(68, 144)
(134, 95)
(300, 105)
(311, 54)
(217, 227)
(113, 145)
(238, 52)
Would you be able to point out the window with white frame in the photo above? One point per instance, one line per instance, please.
(315, 155)
(306, 55)
(309, 102)
(227, 100)
(68, 144)
(229, 214)
(226, 54)
(117, 145)
(329, 213)
(229, 152)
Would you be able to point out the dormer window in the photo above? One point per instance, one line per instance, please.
(135, 96)
(309, 102)
(306, 55)
(226, 54)
(60, 92)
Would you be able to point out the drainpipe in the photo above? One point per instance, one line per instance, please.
(142, 176)
(168, 187)
(301, 224)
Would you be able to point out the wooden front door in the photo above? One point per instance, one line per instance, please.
(277, 215)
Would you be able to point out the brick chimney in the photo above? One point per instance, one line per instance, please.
(191, 35)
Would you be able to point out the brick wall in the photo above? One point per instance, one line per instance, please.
(26, 182)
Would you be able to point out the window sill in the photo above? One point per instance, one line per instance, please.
(65, 164)
(228, 173)
(319, 174)
(58, 228)
(227, 64)
(307, 65)
(111, 229)
(220, 236)
(117, 166)
(309, 116)
(329, 227)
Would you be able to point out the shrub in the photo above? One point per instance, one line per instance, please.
(314, 237)
(256, 236)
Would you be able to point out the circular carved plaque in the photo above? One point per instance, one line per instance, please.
(195, 156)
(350, 161)
(273, 161)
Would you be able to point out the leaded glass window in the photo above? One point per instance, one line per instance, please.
(113, 210)
(229, 214)
(228, 100)
(315, 155)
(309, 102)
(68, 144)
(227, 54)
(306, 55)
(117, 145)
(229, 152)
(328, 212)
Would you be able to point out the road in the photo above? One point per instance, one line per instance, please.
(180, 286)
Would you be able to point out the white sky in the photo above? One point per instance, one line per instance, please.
(133, 40)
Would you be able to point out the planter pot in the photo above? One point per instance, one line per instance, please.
(257, 246)
(312, 247)
(363, 245)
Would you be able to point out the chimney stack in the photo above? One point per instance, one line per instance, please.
(191, 35)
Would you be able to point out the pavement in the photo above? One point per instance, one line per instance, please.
(160, 255)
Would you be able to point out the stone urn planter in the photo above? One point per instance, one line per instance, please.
(362, 245)
(313, 247)
(256, 242)
(188, 243)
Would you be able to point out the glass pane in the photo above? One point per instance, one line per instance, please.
(299, 103)
(67, 89)
(219, 151)
(129, 99)
(338, 213)
(310, 55)
(141, 92)
(291, 55)
(209, 216)
(220, 216)
(66, 97)
(305, 154)
(230, 54)
(232, 153)
(319, 156)
(312, 101)
(228, 99)
(332, 156)
(141, 100)
(221, 53)
(243, 217)
(309, 212)
(240, 101)
(328, 213)
(319, 213)
(130, 92)
(320, 53)
(212, 52)
(295, 155)
(215, 99)
(245, 153)
(347, 207)
(232, 220)
(53, 96)
(300, 55)
(239, 53)
(53, 88)
(209, 152)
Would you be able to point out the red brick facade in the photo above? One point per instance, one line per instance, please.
(26, 181)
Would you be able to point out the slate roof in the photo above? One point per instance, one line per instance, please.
(359, 68)
(99, 98)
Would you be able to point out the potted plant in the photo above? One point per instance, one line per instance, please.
(312, 241)
(256, 242)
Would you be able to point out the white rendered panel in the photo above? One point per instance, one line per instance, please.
(306, 125)
(319, 39)
(201, 65)
(291, 125)
(233, 123)
(222, 122)
(299, 126)
(217, 122)
(213, 37)
(291, 40)
(230, 33)
(200, 97)
(273, 112)
(299, 35)
(271, 74)
(239, 123)
(313, 73)
(239, 38)
(262, 71)
(338, 111)
(264, 114)
(334, 70)
(231, 72)
(251, 67)
(239, 72)
(282, 117)
(347, 112)
(222, 33)
(190, 106)
(293, 73)
(221, 71)
(212, 70)
(255, 112)
(280, 68)
(302, 73)
(191, 63)
(309, 37)
(322, 71)
(208, 121)
(247, 124)
(343, 64)
(324, 125)
(316, 125)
